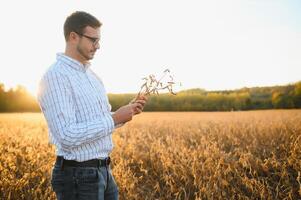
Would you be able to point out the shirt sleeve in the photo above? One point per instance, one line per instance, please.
(56, 102)
(117, 125)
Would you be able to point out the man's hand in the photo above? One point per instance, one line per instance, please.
(139, 103)
(124, 113)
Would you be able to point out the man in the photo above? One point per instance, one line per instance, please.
(75, 105)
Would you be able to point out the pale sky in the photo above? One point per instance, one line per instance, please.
(212, 44)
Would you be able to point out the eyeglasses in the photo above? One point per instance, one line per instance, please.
(94, 40)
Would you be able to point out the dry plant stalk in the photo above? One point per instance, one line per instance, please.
(200, 155)
(152, 85)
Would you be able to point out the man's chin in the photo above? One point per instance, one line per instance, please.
(92, 55)
(89, 57)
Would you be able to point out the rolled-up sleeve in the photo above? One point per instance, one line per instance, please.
(117, 125)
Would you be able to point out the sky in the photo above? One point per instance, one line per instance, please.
(213, 45)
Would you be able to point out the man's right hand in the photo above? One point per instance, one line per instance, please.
(124, 113)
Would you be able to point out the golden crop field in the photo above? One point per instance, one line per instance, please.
(201, 155)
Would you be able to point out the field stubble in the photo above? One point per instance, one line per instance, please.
(201, 155)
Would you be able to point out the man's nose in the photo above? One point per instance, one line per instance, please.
(97, 46)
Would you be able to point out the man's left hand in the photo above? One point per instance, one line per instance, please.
(140, 103)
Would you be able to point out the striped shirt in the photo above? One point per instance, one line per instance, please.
(76, 107)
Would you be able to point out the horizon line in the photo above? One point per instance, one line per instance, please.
(6, 89)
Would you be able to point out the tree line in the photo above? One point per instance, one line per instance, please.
(275, 97)
(17, 100)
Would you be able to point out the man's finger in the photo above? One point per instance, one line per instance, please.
(136, 105)
(138, 111)
(142, 97)
(139, 106)
(142, 102)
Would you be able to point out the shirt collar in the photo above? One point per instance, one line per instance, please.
(72, 62)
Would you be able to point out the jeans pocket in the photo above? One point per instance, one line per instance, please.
(90, 181)
(87, 175)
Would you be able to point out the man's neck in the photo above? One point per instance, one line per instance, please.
(75, 56)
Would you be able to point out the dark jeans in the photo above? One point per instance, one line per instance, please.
(83, 183)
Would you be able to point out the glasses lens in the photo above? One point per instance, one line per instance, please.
(95, 41)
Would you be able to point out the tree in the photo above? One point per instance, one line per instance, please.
(297, 95)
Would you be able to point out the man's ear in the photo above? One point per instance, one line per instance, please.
(72, 36)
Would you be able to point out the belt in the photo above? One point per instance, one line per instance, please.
(89, 163)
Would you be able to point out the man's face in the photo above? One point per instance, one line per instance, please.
(88, 42)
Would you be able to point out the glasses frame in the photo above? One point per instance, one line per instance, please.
(95, 41)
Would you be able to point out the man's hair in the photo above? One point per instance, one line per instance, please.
(78, 21)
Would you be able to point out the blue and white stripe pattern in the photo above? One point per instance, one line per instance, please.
(76, 108)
